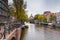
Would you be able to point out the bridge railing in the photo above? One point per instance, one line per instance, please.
(7, 30)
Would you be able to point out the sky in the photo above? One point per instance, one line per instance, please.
(39, 6)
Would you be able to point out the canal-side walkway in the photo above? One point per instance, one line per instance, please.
(40, 33)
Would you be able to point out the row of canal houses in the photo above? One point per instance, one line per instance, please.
(56, 16)
(48, 14)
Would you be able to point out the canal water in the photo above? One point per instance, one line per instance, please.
(37, 32)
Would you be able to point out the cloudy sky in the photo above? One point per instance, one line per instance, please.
(39, 6)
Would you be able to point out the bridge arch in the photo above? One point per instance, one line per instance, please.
(13, 38)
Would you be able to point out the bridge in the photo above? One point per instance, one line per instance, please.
(14, 34)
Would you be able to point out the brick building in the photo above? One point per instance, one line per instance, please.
(47, 14)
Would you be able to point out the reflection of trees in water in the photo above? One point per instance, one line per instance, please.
(37, 25)
(44, 27)
(23, 33)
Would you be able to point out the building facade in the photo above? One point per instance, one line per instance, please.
(57, 17)
(4, 12)
(47, 14)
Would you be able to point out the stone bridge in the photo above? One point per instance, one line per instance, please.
(14, 35)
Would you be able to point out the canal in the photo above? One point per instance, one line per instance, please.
(37, 32)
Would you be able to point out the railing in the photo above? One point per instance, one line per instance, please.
(8, 31)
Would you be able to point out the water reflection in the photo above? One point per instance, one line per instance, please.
(39, 32)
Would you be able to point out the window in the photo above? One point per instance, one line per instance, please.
(0, 4)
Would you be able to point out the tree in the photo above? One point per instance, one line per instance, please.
(39, 17)
(36, 16)
(22, 15)
(44, 18)
(51, 18)
(12, 10)
(20, 11)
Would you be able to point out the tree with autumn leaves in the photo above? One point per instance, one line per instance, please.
(20, 13)
(40, 17)
(51, 17)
